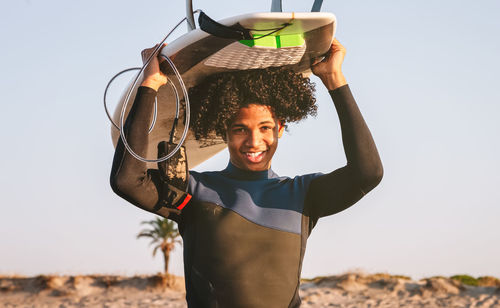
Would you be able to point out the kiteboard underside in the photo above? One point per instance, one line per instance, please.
(198, 54)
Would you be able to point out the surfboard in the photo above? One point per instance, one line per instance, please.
(198, 54)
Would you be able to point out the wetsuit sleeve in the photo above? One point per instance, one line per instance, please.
(130, 178)
(331, 193)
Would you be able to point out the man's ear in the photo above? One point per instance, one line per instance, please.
(281, 128)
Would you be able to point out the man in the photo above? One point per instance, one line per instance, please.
(245, 229)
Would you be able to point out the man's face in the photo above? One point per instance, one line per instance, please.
(252, 138)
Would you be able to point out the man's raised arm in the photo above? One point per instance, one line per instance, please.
(336, 191)
(130, 178)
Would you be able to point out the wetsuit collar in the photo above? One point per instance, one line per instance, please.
(239, 174)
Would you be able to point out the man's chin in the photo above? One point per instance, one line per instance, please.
(253, 166)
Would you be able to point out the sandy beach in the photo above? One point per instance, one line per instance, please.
(348, 290)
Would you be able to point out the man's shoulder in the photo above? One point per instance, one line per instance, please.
(300, 182)
(203, 176)
(307, 177)
(198, 174)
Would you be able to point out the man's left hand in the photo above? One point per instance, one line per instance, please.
(329, 70)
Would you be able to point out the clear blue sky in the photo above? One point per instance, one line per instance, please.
(424, 73)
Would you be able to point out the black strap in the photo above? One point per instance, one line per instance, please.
(236, 32)
(317, 6)
(174, 175)
(172, 197)
(276, 6)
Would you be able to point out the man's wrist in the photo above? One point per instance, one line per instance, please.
(333, 81)
(151, 84)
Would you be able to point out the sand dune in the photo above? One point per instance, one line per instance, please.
(348, 290)
(358, 290)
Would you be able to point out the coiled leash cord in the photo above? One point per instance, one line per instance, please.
(121, 124)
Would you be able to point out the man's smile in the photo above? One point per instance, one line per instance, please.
(254, 157)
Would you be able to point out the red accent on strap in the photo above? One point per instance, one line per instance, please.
(183, 204)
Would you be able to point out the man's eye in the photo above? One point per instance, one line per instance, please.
(240, 130)
(266, 127)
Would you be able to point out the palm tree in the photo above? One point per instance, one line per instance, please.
(164, 235)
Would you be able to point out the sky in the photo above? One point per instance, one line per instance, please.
(424, 74)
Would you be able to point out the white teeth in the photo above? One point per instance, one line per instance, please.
(253, 154)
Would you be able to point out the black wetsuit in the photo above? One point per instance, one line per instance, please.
(245, 232)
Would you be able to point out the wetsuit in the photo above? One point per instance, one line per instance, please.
(245, 232)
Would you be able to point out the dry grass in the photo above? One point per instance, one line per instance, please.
(488, 281)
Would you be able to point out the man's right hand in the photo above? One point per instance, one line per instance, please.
(153, 77)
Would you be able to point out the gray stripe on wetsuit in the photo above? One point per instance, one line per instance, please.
(265, 199)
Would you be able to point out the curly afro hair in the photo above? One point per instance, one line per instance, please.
(216, 101)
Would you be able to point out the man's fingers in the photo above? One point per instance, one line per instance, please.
(146, 53)
(160, 58)
(336, 46)
(318, 60)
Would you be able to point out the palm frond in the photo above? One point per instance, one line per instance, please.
(155, 249)
(160, 230)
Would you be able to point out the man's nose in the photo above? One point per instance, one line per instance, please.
(254, 139)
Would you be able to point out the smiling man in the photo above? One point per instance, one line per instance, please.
(245, 228)
(252, 138)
